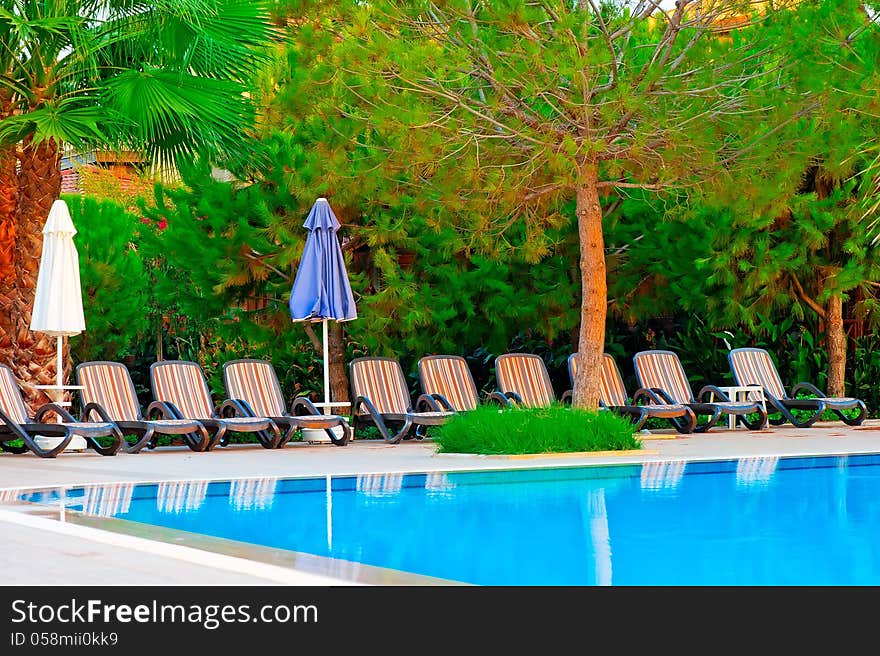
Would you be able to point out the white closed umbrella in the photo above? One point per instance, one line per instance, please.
(58, 308)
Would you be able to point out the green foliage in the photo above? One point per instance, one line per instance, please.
(419, 287)
(444, 254)
(166, 79)
(221, 272)
(115, 286)
(557, 429)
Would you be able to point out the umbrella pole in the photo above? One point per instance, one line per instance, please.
(326, 369)
(59, 364)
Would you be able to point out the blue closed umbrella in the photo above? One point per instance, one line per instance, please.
(321, 291)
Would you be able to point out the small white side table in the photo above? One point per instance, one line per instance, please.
(319, 434)
(59, 388)
(77, 442)
(742, 393)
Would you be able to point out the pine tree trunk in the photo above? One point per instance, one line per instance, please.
(39, 185)
(594, 294)
(836, 341)
(338, 376)
(8, 201)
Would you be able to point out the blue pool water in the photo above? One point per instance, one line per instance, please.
(753, 521)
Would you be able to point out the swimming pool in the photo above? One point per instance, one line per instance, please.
(752, 521)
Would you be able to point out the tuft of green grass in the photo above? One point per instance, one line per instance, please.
(489, 430)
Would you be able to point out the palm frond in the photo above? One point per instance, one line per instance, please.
(63, 121)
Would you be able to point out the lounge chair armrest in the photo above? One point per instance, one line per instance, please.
(98, 409)
(806, 387)
(513, 396)
(651, 396)
(499, 398)
(45, 409)
(429, 402)
(363, 400)
(567, 396)
(377, 419)
(712, 389)
(234, 408)
(442, 403)
(661, 394)
(303, 406)
(166, 410)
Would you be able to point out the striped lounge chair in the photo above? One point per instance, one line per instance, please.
(18, 424)
(523, 380)
(612, 395)
(661, 373)
(180, 391)
(753, 366)
(109, 393)
(448, 381)
(254, 385)
(380, 395)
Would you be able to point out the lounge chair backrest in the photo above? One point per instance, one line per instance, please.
(525, 374)
(254, 381)
(381, 381)
(109, 385)
(753, 366)
(182, 383)
(11, 402)
(611, 389)
(449, 375)
(663, 370)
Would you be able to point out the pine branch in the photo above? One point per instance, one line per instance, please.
(818, 309)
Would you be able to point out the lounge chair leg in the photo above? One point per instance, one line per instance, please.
(143, 440)
(269, 440)
(218, 438)
(858, 419)
(685, 424)
(407, 425)
(346, 434)
(104, 450)
(639, 421)
(709, 424)
(759, 425)
(288, 435)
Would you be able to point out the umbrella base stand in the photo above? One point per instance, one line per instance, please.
(319, 435)
(77, 442)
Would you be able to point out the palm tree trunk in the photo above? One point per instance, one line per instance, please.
(8, 201)
(8, 196)
(39, 185)
(594, 291)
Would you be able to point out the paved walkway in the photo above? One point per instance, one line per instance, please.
(44, 551)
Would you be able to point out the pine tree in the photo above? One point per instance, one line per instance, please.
(501, 113)
(792, 237)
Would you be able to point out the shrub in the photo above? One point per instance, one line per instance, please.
(557, 429)
(115, 284)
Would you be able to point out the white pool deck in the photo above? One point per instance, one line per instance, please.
(40, 550)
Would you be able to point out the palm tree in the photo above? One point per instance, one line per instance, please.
(166, 78)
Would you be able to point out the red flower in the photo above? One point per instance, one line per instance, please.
(162, 223)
